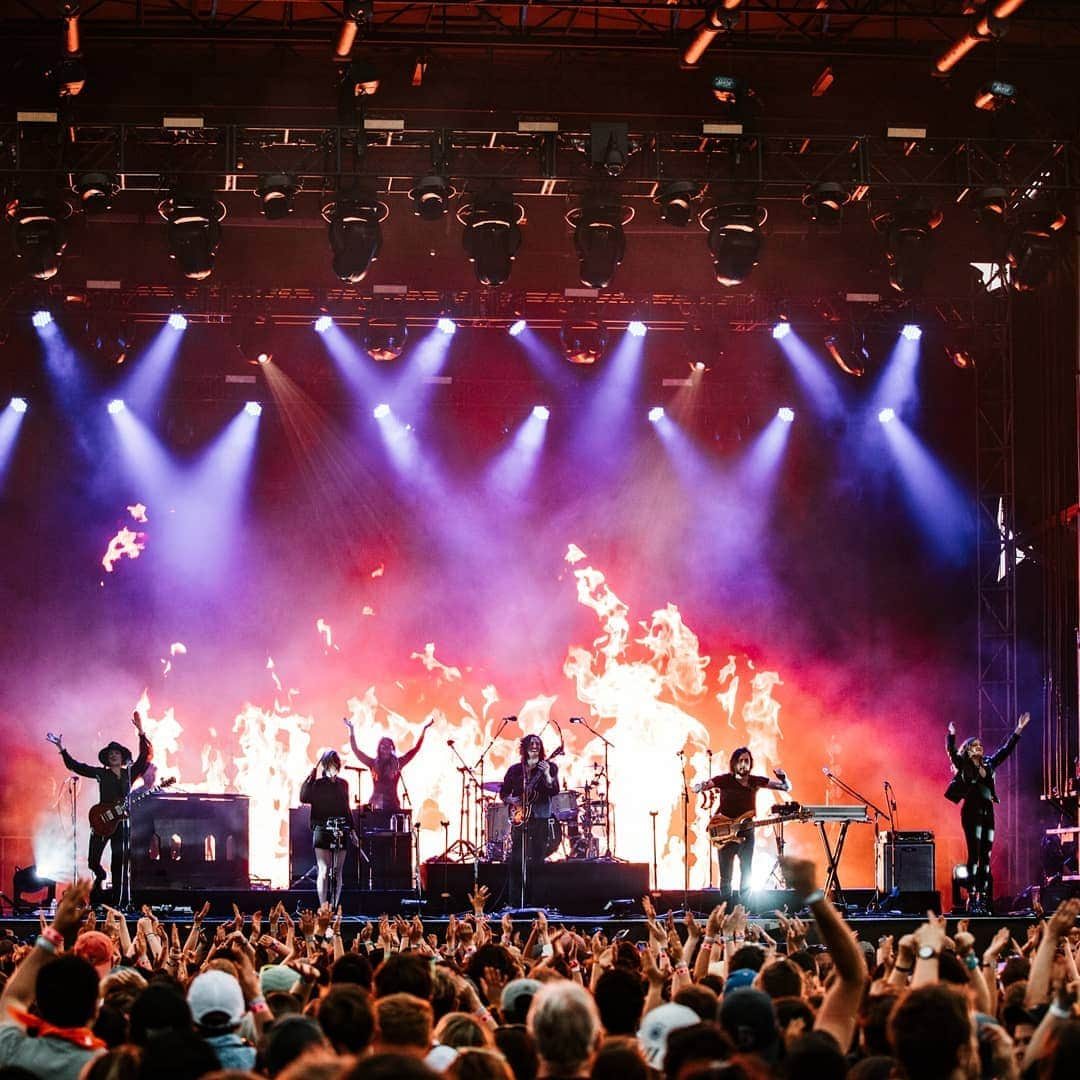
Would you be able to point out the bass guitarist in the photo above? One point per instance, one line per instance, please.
(527, 789)
(738, 789)
(114, 777)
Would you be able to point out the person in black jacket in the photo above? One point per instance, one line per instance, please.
(115, 777)
(527, 789)
(973, 786)
(331, 825)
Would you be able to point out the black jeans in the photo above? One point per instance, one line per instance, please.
(743, 850)
(119, 842)
(977, 817)
(536, 835)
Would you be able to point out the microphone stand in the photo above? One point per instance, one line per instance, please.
(712, 861)
(464, 845)
(875, 904)
(481, 831)
(73, 787)
(681, 755)
(609, 855)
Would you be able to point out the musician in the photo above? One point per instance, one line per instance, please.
(738, 789)
(331, 824)
(527, 789)
(386, 768)
(114, 777)
(973, 786)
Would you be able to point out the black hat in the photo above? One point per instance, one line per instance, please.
(103, 753)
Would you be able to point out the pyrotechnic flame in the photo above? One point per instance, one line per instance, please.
(427, 658)
(138, 512)
(367, 610)
(167, 668)
(273, 673)
(177, 647)
(574, 554)
(379, 570)
(124, 544)
(324, 628)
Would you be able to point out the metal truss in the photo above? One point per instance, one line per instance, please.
(996, 570)
(853, 25)
(148, 157)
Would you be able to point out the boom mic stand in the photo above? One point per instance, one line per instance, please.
(462, 845)
(481, 837)
(609, 854)
(681, 755)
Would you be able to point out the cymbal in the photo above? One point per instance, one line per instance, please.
(494, 786)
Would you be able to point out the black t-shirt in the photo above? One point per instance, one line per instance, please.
(328, 798)
(735, 799)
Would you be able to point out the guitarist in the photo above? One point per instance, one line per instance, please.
(527, 789)
(114, 777)
(738, 789)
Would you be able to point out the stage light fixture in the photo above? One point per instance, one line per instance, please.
(253, 408)
(18, 404)
(598, 235)
(991, 205)
(193, 231)
(41, 319)
(826, 202)
(276, 193)
(116, 406)
(698, 367)
(385, 339)
(609, 146)
(886, 415)
(960, 357)
(911, 332)
(729, 89)
(994, 95)
(492, 234)
(381, 410)
(25, 882)
(541, 412)
(1034, 245)
(446, 326)
(323, 323)
(583, 341)
(431, 197)
(359, 78)
(849, 366)
(786, 414)
(735, 238)
(781, 330)
(39, 233)
(656, 414)
(96, 191)
(517, 328)
(636, 328)
(177, 321)
(907, 229)
(676, 201)
(355, 233)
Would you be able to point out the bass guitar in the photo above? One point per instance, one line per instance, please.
(520, 807)
(726, 830)
(106, 816)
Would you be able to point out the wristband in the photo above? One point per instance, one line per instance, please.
(258, 1005)
(575, 966)
(682, 965)
(709, 940)
(902, 970)
(1058, 1012)
(814, 898)
(44, 943)
(972, 961)
(51, 934)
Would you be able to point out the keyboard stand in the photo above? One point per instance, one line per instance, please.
(832, 888)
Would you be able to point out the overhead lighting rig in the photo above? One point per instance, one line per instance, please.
(431, 197)
(907, 229)
(735, 238)
(598, 235)
(826, 202)
(68, 77)
(276, 194)
(355, 220)
(492, 235)
(583, 340)
(193, 231)
(95, 191)
(38, 224)
(676, 200)
(1034, 246)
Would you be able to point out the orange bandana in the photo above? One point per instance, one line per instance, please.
(80, 1036)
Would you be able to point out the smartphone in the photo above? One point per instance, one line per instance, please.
(641, 945)
(619, 935)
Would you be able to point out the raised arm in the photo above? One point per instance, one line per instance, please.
(781, 783)
(406, 758)
(368, 761)
(307, 785)
(146, 751)
(1006, 748)
(838, 1010)
(80, 768)
(950, 746)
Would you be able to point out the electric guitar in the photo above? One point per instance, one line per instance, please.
(106, 816)
(726, 830)
(520, 806)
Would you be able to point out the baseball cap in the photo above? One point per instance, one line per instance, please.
(748, 1016)
(277, 977)
(738, 979)
(216, 1000)
(95, 948)
(656, 1027)
(517, 996)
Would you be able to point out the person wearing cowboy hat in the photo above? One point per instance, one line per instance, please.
(114, 777)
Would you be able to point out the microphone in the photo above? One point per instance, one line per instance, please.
(825, 770)
(577, 720)
(449, 742)
(509, 719)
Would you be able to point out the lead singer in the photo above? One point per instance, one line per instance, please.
(527, 789)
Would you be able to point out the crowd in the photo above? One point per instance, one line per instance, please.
(270, 995)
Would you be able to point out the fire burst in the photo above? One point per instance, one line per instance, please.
(125, 544)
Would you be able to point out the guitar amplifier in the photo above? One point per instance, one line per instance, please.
(905, 865)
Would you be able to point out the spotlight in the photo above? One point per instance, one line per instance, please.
(253, 408)
(492, 235)
(446, 326)
(911, 332)
(853, 367)
(355, 233)
(676, 199)
(263, 357)
(886, 415)
(39, 233)
(359, 78)
(517, 328)
(961, 358)
(18, 404)
(116, 406)
(381, 410)
(431, 197)
(255, 339)
(826, 202)
(1034, 246)
(636, 328)
(609, 146)
(323, 323)
(598, 236)
(541, 412)
(95, 191)
(995, 95)
(729, 90)
(194, 231)
(276, 192)
(583, 342)
(656, 414)
(25, 882)
(698, 367)
(41, 319)
(786, 414)
(177, 321)
(781, 330)
(735, 239)
(386, 339)
(907, 229)
(991, 204)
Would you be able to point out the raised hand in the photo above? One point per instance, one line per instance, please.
(72, 908)
(136, 719)
(800, 874)
(1064, 919)
(1022, 722)
(951, 728)
(347, 721)
(479, 898)
(56, 740)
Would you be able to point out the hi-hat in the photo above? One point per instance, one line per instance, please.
(492, 785)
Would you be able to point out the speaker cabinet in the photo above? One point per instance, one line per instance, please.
(905, 865)
(389, 864)
(302, 854)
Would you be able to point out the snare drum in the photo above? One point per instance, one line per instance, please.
(498, 828)
(564, 805)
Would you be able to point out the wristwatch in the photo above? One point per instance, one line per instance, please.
(927, 952)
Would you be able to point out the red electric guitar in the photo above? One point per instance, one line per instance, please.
(105, 816)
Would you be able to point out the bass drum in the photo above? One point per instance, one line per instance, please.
(553, 838)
